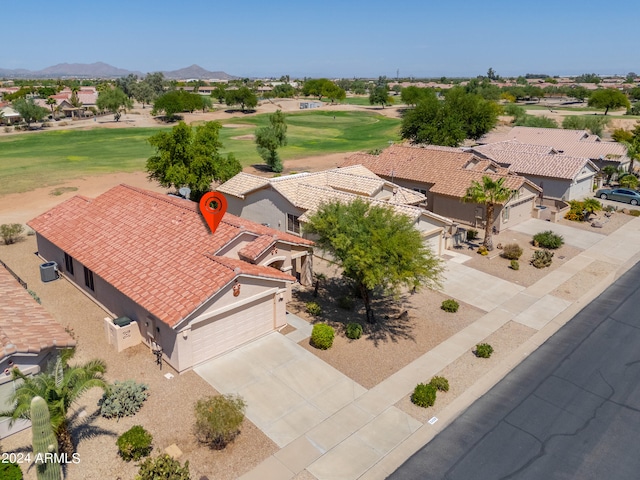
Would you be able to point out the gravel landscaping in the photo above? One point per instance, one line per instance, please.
(527, 275)
(168, 412)
(467, 369)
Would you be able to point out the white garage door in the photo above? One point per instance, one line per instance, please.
(232, 328)
(433, 242)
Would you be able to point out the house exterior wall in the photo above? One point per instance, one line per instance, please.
(264, 206)
(517, 210)
(176, 348)
(417, 186)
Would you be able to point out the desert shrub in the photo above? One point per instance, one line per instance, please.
(218, 419)
(10, 471)
(512, 251)
(353, 331)
(124, 399)
(134, 444)
(424, 395)
(322, 336)
(450, 305)
(441, 383)
(634, 213)
(163, 467)
(346, 302)
(483, 350)
(10, 232)
(472, 234)
(313, 308)
(482, 250)
(35, 296)
(574, 216)
(548, 239)
(628, 181)
(515, 265)
(541, 258)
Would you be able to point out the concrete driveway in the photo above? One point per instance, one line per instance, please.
(288, 390)
(572, 236)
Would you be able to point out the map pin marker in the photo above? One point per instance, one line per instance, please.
(212, 206)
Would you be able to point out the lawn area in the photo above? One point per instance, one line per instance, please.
(33, 160)
(50, 158)
(314, 133)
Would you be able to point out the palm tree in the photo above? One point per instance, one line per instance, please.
(590, 206)
(51, 102)
(60, 385)
(633, 152)
(490, 193)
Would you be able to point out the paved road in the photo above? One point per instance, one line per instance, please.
(570, 411)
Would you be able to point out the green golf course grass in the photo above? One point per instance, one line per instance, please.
(42, 159)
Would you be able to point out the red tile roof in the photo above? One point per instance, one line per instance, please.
(25, 326)
(447, 172)
(155, 249)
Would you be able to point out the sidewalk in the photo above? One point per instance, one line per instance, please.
(369, 438)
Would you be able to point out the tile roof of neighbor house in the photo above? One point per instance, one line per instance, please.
(25, 326)
(552, 166)
(449, 172)
(356, 179)
(575, 143)
(155, 249)
(536, 160)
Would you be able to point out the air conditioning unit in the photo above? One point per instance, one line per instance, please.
(49, 271)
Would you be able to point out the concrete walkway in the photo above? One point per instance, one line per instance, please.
(366, 436)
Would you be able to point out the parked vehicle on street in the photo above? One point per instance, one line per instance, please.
(625, 195)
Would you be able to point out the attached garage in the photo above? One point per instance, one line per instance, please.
(231, 329)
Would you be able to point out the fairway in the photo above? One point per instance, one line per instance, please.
(315, 133)
(34, 160)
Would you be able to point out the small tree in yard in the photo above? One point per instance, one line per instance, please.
(29, 110)
(489, 193)
(218, 419)
(114, 100)
(10, 232)
(270, 138)
(190, 157)
(375, 246)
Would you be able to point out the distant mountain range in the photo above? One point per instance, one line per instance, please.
(103, 70)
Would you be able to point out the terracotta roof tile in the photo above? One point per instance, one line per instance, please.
(25, 326)
(519, 159)
(575, 143)
(445, 171)
(155, 249)
(254, 249)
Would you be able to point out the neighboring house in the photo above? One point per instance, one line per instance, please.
(286, 202)
(9, 116)
(444, 174)
(152, 258)
(561, 177)
(29, 337)
(573, 143)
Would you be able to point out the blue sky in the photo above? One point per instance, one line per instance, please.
(348, 38)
